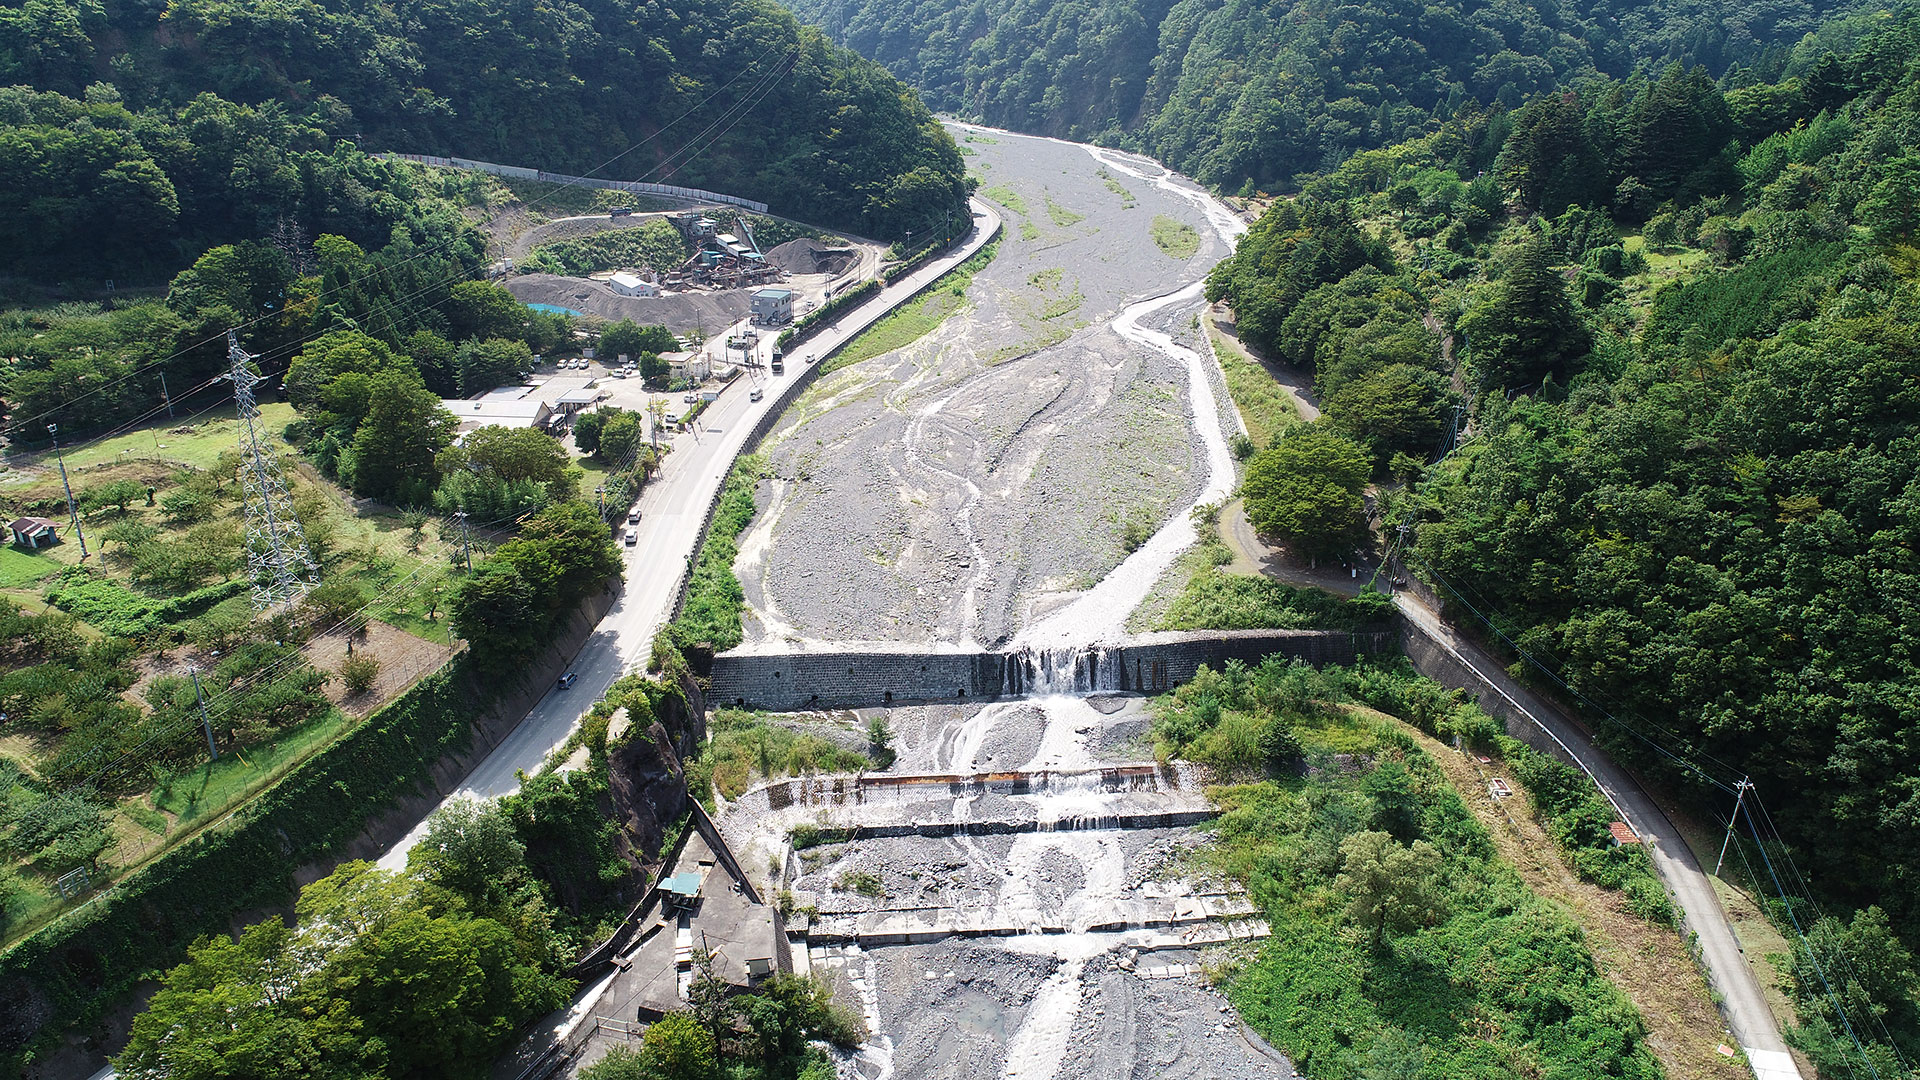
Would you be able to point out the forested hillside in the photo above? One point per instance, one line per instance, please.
(182, 126)
(1238, 93)
(1683, 321)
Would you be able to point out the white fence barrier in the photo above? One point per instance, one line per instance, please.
(632, 186)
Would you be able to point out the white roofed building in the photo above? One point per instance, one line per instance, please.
(626, 283)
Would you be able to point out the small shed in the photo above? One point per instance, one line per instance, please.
(1623, 833)
(681, 891)
(498, 411)
(34, 532)
(772, 307)
(630, 284)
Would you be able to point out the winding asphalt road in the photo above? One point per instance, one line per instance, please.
(1748, 1018)
(672, 509)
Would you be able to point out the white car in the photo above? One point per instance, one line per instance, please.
(633, 516)
(633, 537)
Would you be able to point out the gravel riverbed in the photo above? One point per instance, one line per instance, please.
(955, 489)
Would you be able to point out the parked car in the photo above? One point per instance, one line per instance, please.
(620, 211)
(633, 537)
(568, 680)
(633, 516)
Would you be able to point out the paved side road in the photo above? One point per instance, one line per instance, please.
(1746, 1012)
(672, 509)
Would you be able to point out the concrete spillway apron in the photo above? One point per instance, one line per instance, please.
(1748, 1017)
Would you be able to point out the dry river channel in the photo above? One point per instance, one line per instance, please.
(1024, 899)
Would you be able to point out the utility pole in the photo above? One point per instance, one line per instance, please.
(73, 512)
(1740, 794)
(466, 552)
(165, 395)
(206, 724)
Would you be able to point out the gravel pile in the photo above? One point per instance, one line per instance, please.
(953, 1011)
(1169, 1029)
(681, 313)
(809, 256)
(953, 1006)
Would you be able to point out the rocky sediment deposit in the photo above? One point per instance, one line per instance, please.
(951, 489)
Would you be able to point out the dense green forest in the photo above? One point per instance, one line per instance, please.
(179, 127)
(1243, 94)
(1636, 366)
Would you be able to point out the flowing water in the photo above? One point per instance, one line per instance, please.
(1056, 662)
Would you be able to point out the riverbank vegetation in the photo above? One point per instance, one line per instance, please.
(1402, 944)
(746, 748)
(917, 317)
(709, 619)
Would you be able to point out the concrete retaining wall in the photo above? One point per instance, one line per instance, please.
(1436, 662)
(1154, 663)
(518, 172)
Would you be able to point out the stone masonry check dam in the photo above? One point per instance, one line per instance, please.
(1147, 663)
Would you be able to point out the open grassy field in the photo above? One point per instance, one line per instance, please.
(199, 444)
(19, 568)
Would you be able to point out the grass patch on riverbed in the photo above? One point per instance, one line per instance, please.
(747, 747)
(1264, 405)
(1127, 201)
(1006, 197)
(1402, 943)
(917, 317)
(711, 614)
(1176, 238)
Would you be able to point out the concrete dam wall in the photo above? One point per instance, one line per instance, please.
(1151, 663)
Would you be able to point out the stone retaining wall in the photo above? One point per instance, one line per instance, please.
(1151, 664)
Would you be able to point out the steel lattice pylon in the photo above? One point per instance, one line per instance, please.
(278, 562)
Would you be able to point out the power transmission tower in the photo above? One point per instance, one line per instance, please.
(278, 561)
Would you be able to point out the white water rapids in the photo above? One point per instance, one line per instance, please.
(1035, 1049)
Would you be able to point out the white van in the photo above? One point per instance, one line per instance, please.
(757, 394)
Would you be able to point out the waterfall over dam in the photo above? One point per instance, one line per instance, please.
(1150, 663)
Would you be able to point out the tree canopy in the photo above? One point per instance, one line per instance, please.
(1239, 93)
